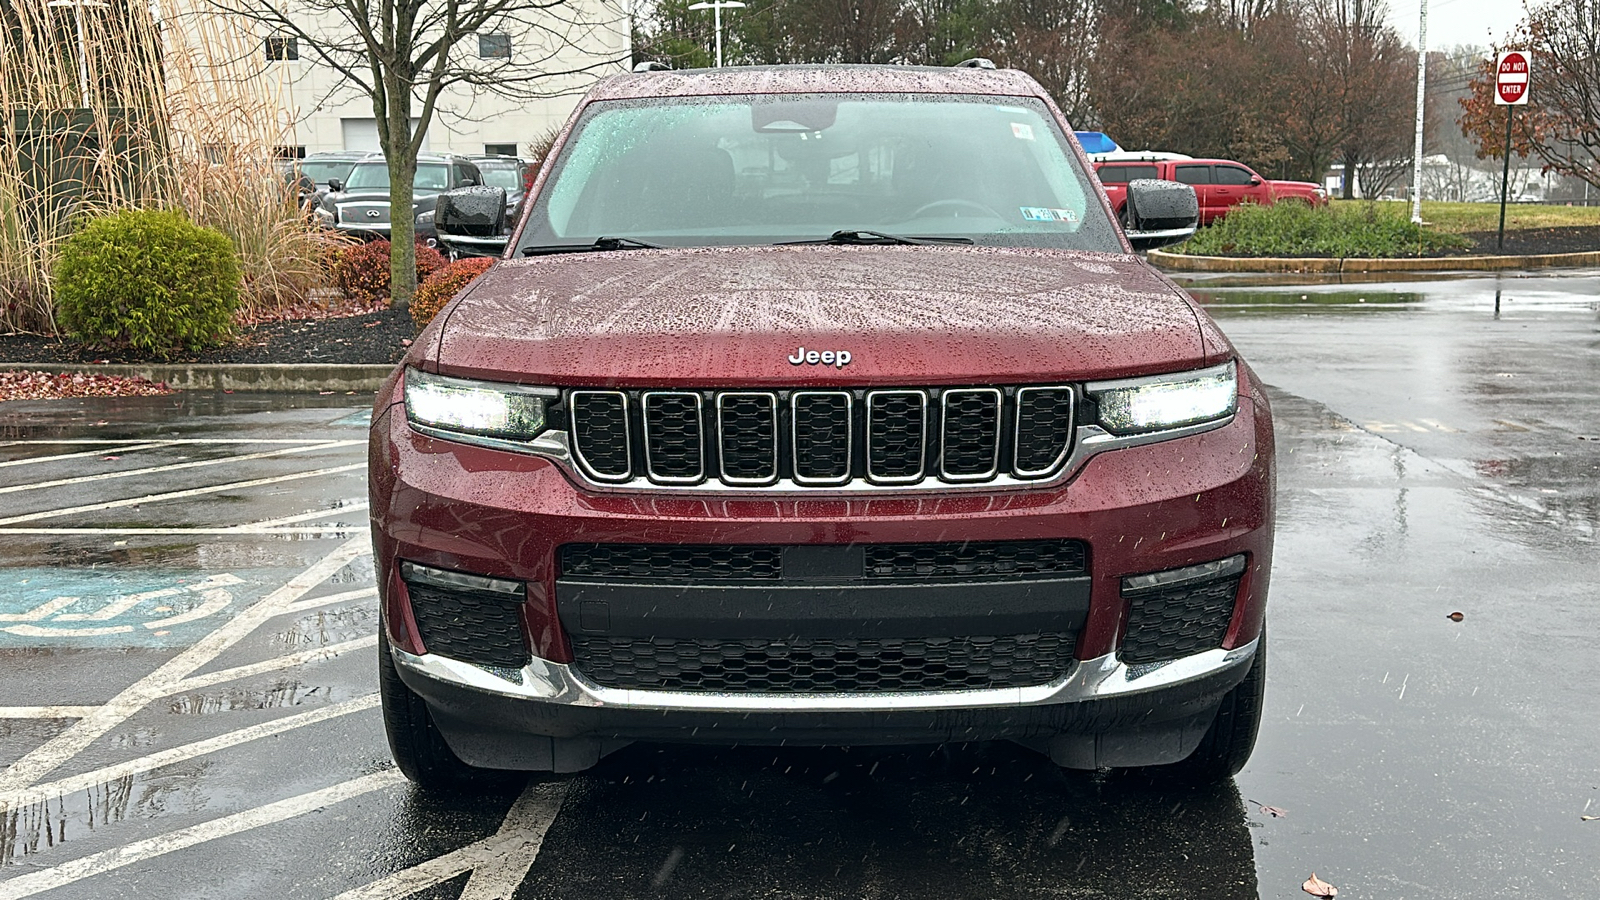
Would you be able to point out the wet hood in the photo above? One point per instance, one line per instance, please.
(736, 316)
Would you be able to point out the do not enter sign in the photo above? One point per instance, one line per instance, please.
(1511, 79)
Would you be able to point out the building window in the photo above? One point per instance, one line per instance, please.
(499, 149)
(280, 49)
(494, 46)
(288, 152)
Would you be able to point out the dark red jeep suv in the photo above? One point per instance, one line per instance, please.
(822, 405)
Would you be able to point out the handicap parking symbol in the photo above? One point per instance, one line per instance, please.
(93, 607)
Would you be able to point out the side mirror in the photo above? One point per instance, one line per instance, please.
(1255, 180)
(471, 220)
(335, 186)
(1160, 213)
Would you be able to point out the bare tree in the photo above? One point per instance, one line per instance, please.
(405, 54)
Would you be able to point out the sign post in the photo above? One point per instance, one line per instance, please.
(1510, 90)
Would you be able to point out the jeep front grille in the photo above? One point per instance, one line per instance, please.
(899, 437)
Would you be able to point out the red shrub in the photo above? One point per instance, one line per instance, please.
(362, 271)
(443, 285)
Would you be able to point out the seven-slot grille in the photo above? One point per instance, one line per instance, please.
(814, 438)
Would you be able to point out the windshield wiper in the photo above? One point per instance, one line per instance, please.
(600, 244)
(858, 236)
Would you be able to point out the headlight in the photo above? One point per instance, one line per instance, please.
(507, 412)
(324, 216)
(425, 218)
(1167, 401)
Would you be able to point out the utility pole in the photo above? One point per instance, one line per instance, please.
(1422, 86)
(717, 6)
(83, 42)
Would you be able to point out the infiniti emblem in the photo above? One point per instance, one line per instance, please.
(836, 358)
(372, 214)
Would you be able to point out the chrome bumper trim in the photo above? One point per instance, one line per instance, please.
(1093, 679)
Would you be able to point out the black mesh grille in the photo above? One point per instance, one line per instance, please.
(895, 424)
(807, 665)
(748, 441)
(971, 434)
(1179, 621)
(948, 560)
(822, 436)
(1044, 428)
(472, 626)
(600, 432)
(664, 561)
(673, 436)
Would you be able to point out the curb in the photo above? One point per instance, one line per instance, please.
(245, 377)
(1313, 265)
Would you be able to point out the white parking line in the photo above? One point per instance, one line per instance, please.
(329, 600)
(510, 851)
(40, 793)
(178, 495)
(219, 531)
(129, 448)
(174, 467)
(195, 682)
(350, 506)
(47, 712)
(124, 441)
(42, 760)
(139, 851)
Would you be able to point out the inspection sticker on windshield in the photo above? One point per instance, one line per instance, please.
(1022, 130)
(1046, 214)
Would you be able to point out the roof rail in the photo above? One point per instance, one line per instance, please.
(651, 65)
(977, 62)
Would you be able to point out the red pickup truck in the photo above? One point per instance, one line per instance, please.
(1218, 184)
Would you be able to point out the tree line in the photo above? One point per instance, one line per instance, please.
(1288, 86)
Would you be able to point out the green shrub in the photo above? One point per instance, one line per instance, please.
(149, 280)
(1295, 229)
(442, 286)
(362, 270)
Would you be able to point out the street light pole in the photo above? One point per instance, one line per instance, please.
(1422, 85)
(83, 43)
(717, 6)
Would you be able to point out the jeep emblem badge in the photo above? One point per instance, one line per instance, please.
(836, 358)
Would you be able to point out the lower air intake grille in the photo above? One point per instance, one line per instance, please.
(1175, 622)
(479, 627)
(950, 560)
(655, 562)
(818, 665)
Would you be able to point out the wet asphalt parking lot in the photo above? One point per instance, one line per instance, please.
(188, 703)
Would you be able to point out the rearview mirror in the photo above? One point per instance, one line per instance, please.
(472, 220)
(1160, 213)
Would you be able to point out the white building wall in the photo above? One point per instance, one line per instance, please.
(320, 110)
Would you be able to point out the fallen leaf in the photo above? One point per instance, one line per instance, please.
(405, 342)
(1456, 616)
(1275, 812)
(109, 458)
(1316, 887)
(1589, 818)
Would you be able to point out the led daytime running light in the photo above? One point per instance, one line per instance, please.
(1171, 401)
(473, 407)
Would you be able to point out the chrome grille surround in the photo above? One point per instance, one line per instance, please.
(796, 400)
(660, 441)
(562, 445)
(577, 400)
(991, 435)
(764, 401)
(895, 430)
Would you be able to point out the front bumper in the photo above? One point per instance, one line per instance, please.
(547, 717)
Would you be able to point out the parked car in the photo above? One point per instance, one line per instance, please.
(359, 205)
(817, 405)
(1220, 184)
(315, 174)
(510, 173)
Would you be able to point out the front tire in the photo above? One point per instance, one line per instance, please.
(1231, 738)
(418, 748)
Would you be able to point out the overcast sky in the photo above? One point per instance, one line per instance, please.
(1454, 22)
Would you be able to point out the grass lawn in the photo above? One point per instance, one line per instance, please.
(1460, 217)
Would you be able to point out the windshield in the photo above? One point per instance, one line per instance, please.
(430, 179)
(508, 177)
(773, 168)
(322, 171)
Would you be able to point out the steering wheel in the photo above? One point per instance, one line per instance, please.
(955, 204)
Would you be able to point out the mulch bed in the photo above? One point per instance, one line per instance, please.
(378, 338)
(47, 386)
(1529, 241)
